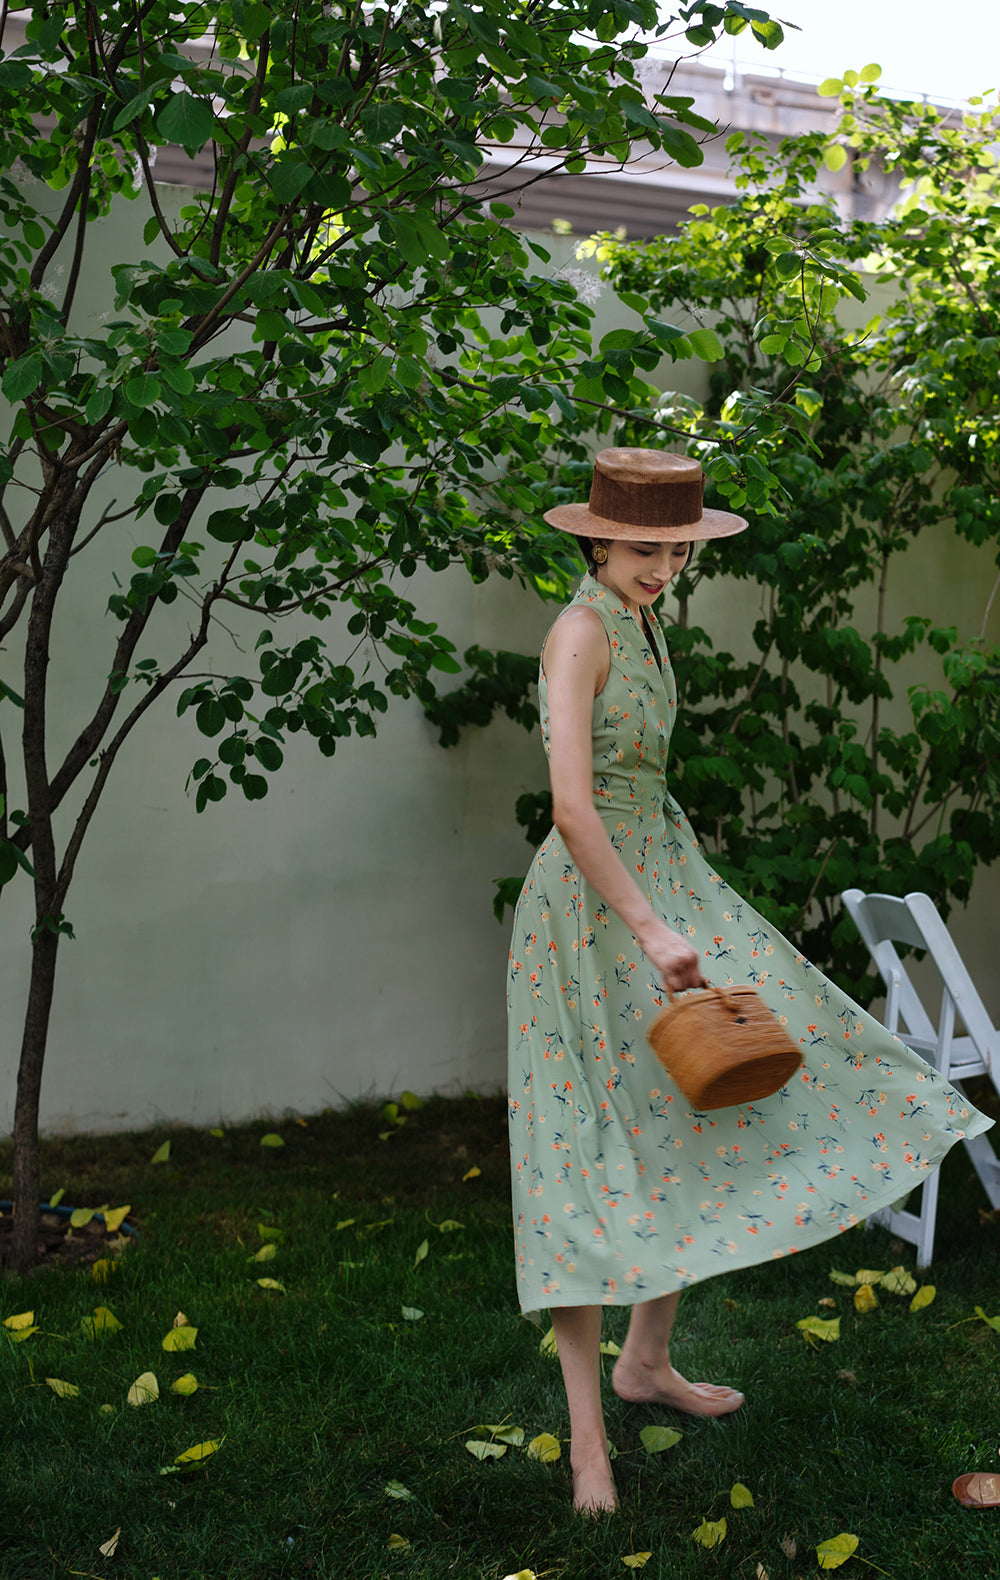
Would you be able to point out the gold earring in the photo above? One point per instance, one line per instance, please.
(600, 554)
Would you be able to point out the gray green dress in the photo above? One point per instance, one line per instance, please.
(621, 1191)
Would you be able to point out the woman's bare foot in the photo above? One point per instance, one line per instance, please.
(639, 1384)
(594, 1490)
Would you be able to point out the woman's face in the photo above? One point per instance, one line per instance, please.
(638, 572)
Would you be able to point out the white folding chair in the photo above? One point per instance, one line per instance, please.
(883, 921)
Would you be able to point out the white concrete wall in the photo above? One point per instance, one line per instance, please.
(336, 939)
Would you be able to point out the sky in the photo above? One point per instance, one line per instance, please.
(947, 49)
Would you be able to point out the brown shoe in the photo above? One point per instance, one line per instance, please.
(978, 1489)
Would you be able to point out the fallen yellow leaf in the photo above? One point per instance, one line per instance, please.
(63, 1390)
(269, 1232)
(545, 1447)
(813, 1328)
(636, 1560)
(503, 1433)
(24, 1319)
(480, 1449)
(865, 1299)
(848, 1280)
(868, 1275)
(103, 1322)
(110, 1547)
(80, 1217)
(200, 1451)
(102, 1270)
(522, 1574)
(411, 1102)
(710, 1533)
(267, 1253)
(836, 1551)
(422, 1250)
(57, 1196)
(186, 1385)
(113, 1220)
(548, 1345)
(656, 1439)
(162, 1154)
(740, 1496)
(397, 1543)
(471, 1174)
(272, 1139)
(272, 1283)
(923, 1297)
(991, 1322)
(217, 1132)
(180, 1339)
(898, 1281)
(143, 1391)
(181, 1321)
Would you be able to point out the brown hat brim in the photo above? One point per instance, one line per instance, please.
(583, 523)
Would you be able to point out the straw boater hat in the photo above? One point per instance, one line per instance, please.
(647, 496)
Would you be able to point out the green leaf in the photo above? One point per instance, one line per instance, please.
(657, 1439)
(22, 377)
(268, 753)
(272, 1139)
(185, 120)
(706, 344)
(144, 390)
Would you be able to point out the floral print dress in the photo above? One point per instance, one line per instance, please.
(621, 1191)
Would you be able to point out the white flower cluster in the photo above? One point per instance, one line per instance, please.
(586, 285)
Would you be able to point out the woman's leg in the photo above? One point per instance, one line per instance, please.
(643, 1373)
(578, 1336)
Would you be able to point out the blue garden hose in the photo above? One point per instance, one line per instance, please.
(67, 1212)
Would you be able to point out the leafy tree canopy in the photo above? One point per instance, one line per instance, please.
(809, 766)
(335, 364)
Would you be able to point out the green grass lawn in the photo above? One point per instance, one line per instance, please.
(343, 1420)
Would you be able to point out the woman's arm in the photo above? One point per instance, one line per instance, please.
(576, 661)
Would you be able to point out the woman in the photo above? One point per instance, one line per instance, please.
(622, 1194)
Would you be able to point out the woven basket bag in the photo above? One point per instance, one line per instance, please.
(723, 1047)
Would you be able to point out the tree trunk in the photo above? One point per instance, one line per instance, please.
(29, 1085)
(45, 939)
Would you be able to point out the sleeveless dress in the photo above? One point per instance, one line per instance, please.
(621, 1191)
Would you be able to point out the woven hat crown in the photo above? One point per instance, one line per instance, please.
(643, 494)
(647, 488)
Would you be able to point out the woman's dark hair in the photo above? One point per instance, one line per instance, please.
(587, 549)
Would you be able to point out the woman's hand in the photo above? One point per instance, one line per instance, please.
(678, 965)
